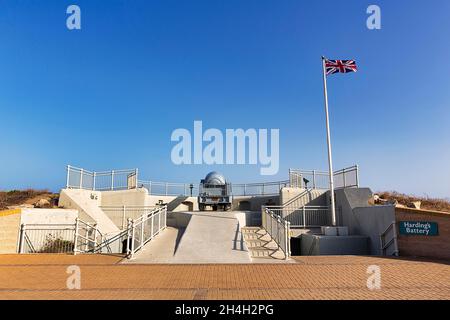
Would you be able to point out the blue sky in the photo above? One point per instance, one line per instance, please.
(110, 95)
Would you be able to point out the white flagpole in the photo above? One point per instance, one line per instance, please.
(330, 160)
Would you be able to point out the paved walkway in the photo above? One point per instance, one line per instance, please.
(103, 277)
(210, 237)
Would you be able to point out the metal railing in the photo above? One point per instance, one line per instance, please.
(388, 238)
(87, 237)
(344, 178)
(300, 215)
(169, 188)
(278, 229)
(259, 189)
(59, 238)
(305, 216)
(46, 238)
(82, 237)
(190, 189)
(145, 228)
(78, 178)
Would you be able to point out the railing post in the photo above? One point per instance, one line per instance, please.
(165, 217)
(271, 224)
(357, 176)
(22, 237)
(129, 236)
(123, 216)
(88, 227)
(394, 232)
(245, 189)
(136, 171)
(304, 217)
(95, 237)
(132, 238)
(288, 242)
(142, 232)
(93, 184)
(263, 213)
(167, 188)
(343, 178)
(81, 179)
(112, 179)
(263, 189)
(278, 231)
(159, 221)
(75, 240)
(152, 224)
(68, 177)
(314, 179)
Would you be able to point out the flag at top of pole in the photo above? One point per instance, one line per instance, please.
(343, 66)
(330, 67)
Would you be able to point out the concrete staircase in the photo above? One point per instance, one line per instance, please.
(260, 244)
(87, 202)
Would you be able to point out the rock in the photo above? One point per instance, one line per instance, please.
(42, 203)
(414, 204)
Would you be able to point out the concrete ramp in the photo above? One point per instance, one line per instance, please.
(87, 202)
(209, 237)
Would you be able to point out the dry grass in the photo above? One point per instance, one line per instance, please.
(427, 203)
(20, 197)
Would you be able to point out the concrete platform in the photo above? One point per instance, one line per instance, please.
(209, 237)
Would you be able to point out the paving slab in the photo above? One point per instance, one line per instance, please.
(335, 277)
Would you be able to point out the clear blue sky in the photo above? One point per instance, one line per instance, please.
(110, 95)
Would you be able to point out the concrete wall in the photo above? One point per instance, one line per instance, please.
(253, 203)
(354, 211)
(9, 230)
(175, 203)
(87, 197)
(10, 221)
(140, 197)
(315, 245)
(48, 216)
(313, 198)
(88, 202)
(425, 246)
(132, 197)
(249, 218)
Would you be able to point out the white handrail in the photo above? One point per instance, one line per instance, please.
(384, 245)
(278, 229)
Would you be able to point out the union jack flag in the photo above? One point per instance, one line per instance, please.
(344, 66)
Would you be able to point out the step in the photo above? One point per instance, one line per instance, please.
(251, 236)
(260, 252)
(250, 229)
(255, 243)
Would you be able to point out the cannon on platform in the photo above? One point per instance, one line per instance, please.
(214, 192)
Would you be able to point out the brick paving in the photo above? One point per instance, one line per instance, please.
(335, 277)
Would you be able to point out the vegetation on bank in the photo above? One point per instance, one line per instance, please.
(28, 197)
(426, 202)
